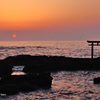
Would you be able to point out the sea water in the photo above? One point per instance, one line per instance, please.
(66, 85)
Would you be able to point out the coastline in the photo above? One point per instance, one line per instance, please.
(51, 63)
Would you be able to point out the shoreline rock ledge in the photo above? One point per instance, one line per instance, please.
(37, 69)
(48, 63)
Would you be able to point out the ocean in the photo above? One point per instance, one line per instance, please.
(66, 85)
(76, 49)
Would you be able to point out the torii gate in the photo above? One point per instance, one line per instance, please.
(93, 43)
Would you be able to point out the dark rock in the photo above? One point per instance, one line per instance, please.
(52, 63)
(15, 83)
(8, 89)
(97, 80)
(40, 79)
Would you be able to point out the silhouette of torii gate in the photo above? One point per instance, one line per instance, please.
(93, 43)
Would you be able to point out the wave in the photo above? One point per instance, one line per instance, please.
(23, 47)
(12, 47)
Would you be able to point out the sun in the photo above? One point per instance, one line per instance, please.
(14, 35)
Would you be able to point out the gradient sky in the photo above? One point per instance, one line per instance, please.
(49, 20)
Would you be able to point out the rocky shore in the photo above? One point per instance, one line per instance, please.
(37, 69)
(48, 63)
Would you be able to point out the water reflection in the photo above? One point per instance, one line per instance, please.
(66, 85)
(18, 73)
(18, 70)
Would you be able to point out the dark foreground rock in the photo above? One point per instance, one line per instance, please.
(15, 83)
(39, 79)
(97, 80)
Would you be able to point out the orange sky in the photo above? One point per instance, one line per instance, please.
(54, 19)
(34, 14)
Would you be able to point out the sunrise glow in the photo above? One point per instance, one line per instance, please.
(30, 14)
(49, 18)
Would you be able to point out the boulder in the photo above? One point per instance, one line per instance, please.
(97, 80)
(38, 79)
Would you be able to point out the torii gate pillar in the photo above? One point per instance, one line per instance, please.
(93, 43)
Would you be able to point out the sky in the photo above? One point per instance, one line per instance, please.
(54, 20)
